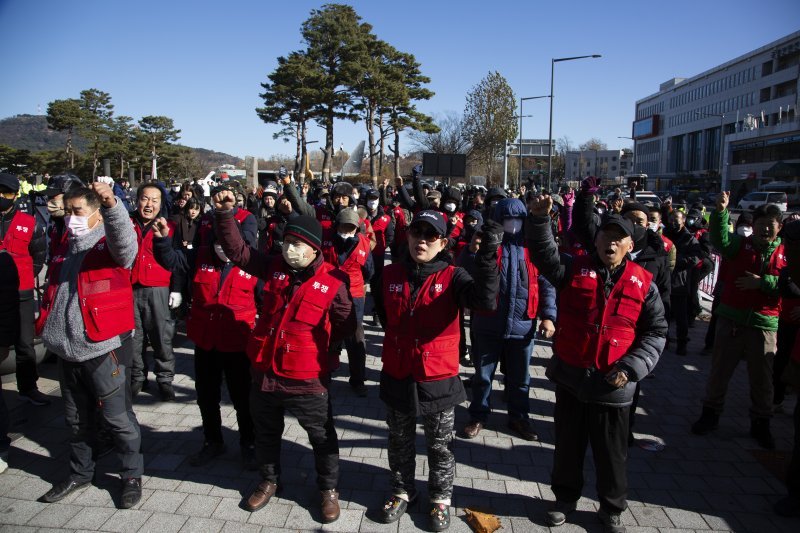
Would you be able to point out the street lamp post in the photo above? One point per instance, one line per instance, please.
(552, 97)
(519, 146)
(519, 173)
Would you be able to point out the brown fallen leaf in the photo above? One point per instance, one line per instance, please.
(482, 522)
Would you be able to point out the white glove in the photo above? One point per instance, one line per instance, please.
(175, 300)
(108, 180)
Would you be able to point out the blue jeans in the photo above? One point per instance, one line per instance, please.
(487, 352)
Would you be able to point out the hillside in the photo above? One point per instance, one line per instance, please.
(30, 132)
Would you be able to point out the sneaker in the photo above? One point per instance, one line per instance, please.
(209, 452)
(557, 514)
(131, 492)
(612, 523)
(439, 517)
(167, 392)
(249, 456)
(35, 397)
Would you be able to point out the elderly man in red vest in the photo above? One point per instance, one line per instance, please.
(153, 299)
(610, 334)
(306, 309)
(87, 321)
(24, 242)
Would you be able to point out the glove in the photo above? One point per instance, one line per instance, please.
(108, 180)
(590, 184)
(491, 236)
(175, 300)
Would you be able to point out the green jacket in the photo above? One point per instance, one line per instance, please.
(728, 245)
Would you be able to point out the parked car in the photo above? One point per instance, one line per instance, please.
(755, 199)
(648, 198)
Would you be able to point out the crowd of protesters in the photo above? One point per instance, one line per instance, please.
(274, 283)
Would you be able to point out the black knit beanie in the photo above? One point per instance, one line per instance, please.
(305, 228)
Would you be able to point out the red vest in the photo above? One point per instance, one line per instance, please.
(292, 334)
(668, 244)
(105, 292)
(352, 265)
(222, 316)
(59, 246)
(422, 336)
(533, 281)
(570, 244)
(748, 259)
(400, 227)
(379, 225)
(594, 331)
(59, 242)
(146, 270)
(16, 242)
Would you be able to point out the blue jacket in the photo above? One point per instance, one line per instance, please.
(510, 320)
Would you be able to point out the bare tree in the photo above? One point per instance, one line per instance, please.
(450, 138)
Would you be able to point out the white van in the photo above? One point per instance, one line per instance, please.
(755, 199)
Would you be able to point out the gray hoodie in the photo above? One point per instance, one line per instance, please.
(64, 332)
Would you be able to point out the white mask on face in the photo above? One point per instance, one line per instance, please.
(295, 255)
(512, 225)
(744, 231)
(347, 235)
(653, 226)
(323, 202)
(220, 253)
(450, 207)
(77, 225)
(372, 204)
(56, 209)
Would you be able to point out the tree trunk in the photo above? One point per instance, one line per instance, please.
(121, 167)
(298, 155)
(396, 153)
(326, 160)
(70, 154)
(381, 150)
(371, 144)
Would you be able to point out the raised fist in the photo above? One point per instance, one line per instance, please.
(224, 200)
(722, 200)
(541, 205)
(160, 227)
(106, 194)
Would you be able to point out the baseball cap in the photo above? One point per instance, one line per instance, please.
(9, 181)
(616, 220)
(61, 184)
(348, 216)
(433, 218)
(434, 194)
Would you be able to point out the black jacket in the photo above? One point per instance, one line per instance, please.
(651, 328)
(688, 255)
(655, 259)
(406, 395)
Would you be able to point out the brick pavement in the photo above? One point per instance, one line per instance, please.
(694, 484)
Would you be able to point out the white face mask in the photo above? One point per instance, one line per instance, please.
(55, 208)
(220, 253)
(77, 225)
(450, 207)
(512, 225)
(653, 226)
(372, 204)
(295, 255)
(744, 231)
(323, 202)
(347, 235)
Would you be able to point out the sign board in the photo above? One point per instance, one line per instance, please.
(444, 165)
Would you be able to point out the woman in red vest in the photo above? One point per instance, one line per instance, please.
(420, 304)
(223, 314)
(610, 334)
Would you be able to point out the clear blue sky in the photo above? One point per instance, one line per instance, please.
(202, 62)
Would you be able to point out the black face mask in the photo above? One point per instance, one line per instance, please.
(639, 238)
(6, 203)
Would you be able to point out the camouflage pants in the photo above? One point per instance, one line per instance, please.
(402, 453)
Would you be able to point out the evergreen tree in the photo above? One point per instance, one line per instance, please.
(65, 115)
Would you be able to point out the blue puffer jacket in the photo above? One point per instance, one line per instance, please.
(510, 320)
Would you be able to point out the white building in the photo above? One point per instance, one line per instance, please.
(752, 100)
(605, 164)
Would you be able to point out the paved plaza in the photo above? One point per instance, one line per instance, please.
(722, 482)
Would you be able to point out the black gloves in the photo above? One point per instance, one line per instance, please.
(491, 237)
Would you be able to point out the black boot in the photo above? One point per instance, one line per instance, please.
(759, 430)
(707, 422)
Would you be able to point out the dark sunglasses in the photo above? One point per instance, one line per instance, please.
(424, 232)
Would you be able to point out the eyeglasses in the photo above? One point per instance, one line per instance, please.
(426, 233)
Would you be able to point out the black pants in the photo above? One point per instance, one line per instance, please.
(606, 429)
(209, 368)
(313, 412)
(357, 347)
(101, 385)
(787, 332)
(680, 313)
(27, 374)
